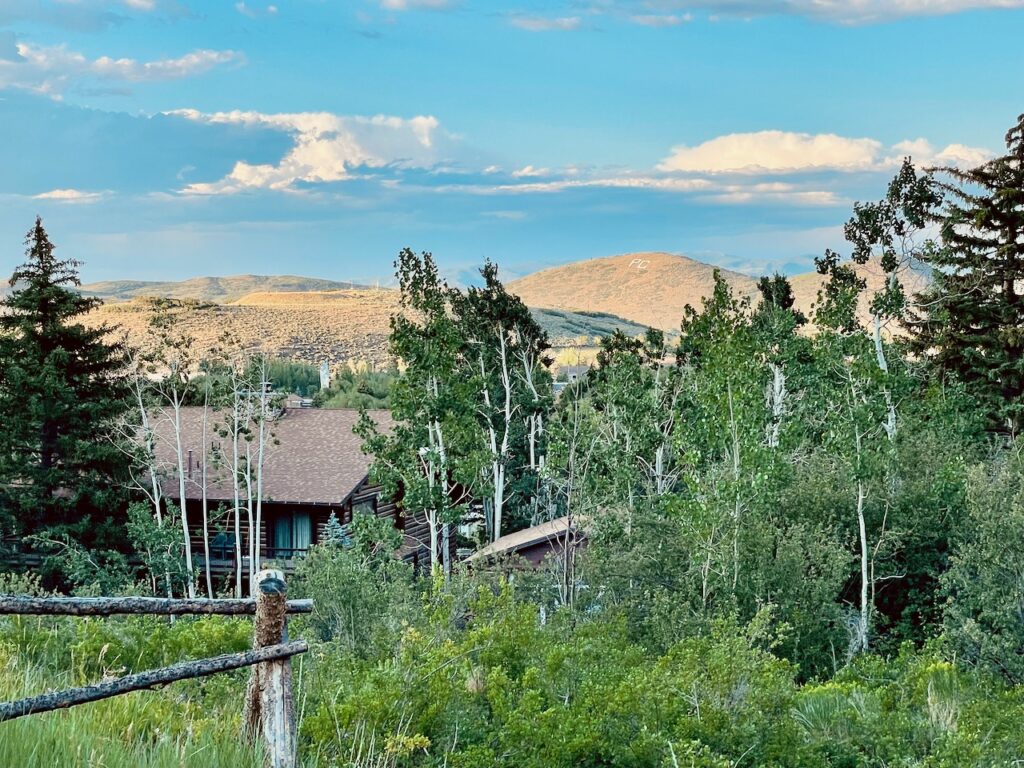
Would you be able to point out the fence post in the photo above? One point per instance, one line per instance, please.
(269, 706)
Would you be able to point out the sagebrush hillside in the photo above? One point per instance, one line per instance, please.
(340, 326)
(222, 289)
(647, 288)
(652, 289)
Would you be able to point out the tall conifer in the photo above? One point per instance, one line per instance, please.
(60, 384)
(970, 322)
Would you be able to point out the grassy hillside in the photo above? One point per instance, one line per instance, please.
(221, 289)
(648, 288)
(344, 326)
(653, 288)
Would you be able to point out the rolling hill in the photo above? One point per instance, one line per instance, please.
(343, 326)
(220, 289)
(648, 288)
(311, 320)
(653, 288)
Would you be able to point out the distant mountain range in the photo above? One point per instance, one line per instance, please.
(219, 289)
(311, 319)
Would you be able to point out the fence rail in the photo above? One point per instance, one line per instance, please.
(186, 670)
(269, 713)
(111, 606)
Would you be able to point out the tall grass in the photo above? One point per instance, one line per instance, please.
(146, 728)
(190, 723)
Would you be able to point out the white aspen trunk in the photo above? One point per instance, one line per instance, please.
(250, 516)
(531, 431)
(149, 441)
(865, 606)
(206, 507)
(235, 427)
(260, 458)
(776, 397)
(176, 406)
(737, 508)
(446, 564)
(507, 414)
(883, 365)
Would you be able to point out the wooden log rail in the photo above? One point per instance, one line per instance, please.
(110, 606)
(269, 711)
(143, 680)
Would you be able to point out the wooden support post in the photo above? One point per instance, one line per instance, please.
(269, 706)
(183, 671)
(109, 606)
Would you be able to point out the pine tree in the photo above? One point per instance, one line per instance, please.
(970, 322)
(60, 383)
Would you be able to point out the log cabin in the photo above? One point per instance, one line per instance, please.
(313, 468)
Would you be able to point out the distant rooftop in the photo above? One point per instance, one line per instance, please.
(312, 458)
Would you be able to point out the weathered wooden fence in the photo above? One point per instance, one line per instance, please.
(269, 703)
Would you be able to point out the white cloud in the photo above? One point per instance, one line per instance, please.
(49, 69)
(660, 20)
(781, 152)
(835, 11)
(506, 215)
(326, 147)
(773, 151)
(254, 12)
(69, 196)
(529, 171)
(406, 5)
(956, 155)
(699, 189)
(543, 24)
(140, 5)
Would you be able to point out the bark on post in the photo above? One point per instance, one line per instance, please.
(269, 706)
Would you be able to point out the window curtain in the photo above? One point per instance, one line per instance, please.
(302, 531)
(283, 537)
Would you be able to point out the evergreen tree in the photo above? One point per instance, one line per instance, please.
(60, 383)
(971, 320)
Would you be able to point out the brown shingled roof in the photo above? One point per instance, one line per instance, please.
(511, 543)
(313, 458)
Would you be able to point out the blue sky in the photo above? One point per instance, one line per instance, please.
(162, 139)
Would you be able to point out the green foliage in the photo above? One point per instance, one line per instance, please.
(362, 595)
(352, 388)
(61, 387)
(970, 321)
(193, 723)
(293, 377)
(985, 583)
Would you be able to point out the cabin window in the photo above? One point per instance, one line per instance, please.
(368, 507)
(293, 533)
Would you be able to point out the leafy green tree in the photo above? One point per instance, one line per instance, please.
(432, 454)
(970, 323)
(984, 619)
(61, 383)
(505, 350)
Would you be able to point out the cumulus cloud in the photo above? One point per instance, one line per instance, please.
(50, 69)
(326, 148)
(545, 24)
(781, 152)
